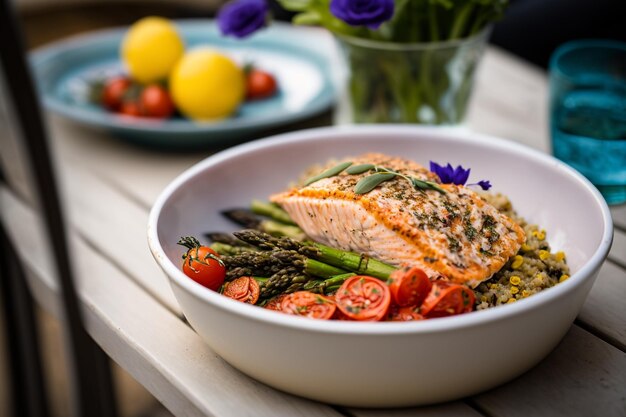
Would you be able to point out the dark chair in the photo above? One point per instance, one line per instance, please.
(26, 171)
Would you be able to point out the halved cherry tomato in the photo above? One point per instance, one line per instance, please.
(363, 298)
(202, 264)
(156, 102)
(259, 84)
(308, 304)
(409, 286)
(274, 303)
(113, 92)
(244, 289)
(404, 314)
(447, 299)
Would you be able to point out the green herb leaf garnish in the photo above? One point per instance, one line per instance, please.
(359, 169)
(367, 184)
(331, 172)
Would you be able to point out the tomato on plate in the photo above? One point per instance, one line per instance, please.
(259, 84)
(447, 299)
(363, 298)
(155, 101)
(202, 264)
(130, 108)
(244, 289)
(308, 304)
(397, 313)
(114, 91)
(409, 286)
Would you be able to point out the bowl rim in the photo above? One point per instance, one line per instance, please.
(476, 318)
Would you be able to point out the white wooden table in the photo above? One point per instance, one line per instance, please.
(130, 311)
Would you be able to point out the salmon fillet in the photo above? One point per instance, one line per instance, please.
(455, 233)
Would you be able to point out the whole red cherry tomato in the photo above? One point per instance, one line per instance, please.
(259, 84)
(113, 92)
(155, 101)
(202, 264)
(130, 108)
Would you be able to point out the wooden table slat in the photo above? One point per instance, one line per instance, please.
(454, 409)
(619, 217)
(117, 227)
(605, 308)
(618, 250)
(567, 383)
(154, 345)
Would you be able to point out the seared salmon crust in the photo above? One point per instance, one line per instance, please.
(456, 233)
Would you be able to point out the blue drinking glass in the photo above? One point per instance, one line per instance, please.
(588, 112)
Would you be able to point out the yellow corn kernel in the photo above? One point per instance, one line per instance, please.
(525, 293)
(563, 277)
(544, 254)
(559, 256)
(539, 278)
(511, 300)
(517, 262)
(539, 234)
(515, 280)
(526, 248)
(483, 298)
(514, 290)
(493, 286)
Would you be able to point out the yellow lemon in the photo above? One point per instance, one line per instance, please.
(206, 85)
(151, 48)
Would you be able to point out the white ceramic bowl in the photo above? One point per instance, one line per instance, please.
(384, 364)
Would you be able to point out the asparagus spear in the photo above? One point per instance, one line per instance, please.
(325, 285)
(349, 261)
(249, 220)
(265, 263)
(272, 211)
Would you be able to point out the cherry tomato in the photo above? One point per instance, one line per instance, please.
(130, 108)
(113, 92)
(156, 102)
(308, 304)
(409, 286)
(274, 303)
(363, 298)
(202, 264)
(259, 84)
(397, 313)
(244, 289)
(447, 299)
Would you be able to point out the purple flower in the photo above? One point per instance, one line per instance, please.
(484, 184)
(459, 175)
(450, 175)
(370, 13)
(241, 18)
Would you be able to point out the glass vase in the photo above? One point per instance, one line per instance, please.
(425, 83)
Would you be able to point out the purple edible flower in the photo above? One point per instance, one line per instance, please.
(484, 184)
(241, 18)
(459, 175)
(449, 175)
(370, 13)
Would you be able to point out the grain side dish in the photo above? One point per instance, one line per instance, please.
(378, 238)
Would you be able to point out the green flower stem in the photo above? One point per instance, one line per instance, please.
(460, 20)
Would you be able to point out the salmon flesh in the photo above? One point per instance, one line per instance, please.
(454, 233)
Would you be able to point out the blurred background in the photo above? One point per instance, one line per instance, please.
(531, 29)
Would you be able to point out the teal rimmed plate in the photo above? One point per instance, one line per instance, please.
(64, 71)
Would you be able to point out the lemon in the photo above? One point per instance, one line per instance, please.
(207, 85)
(151, 48)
